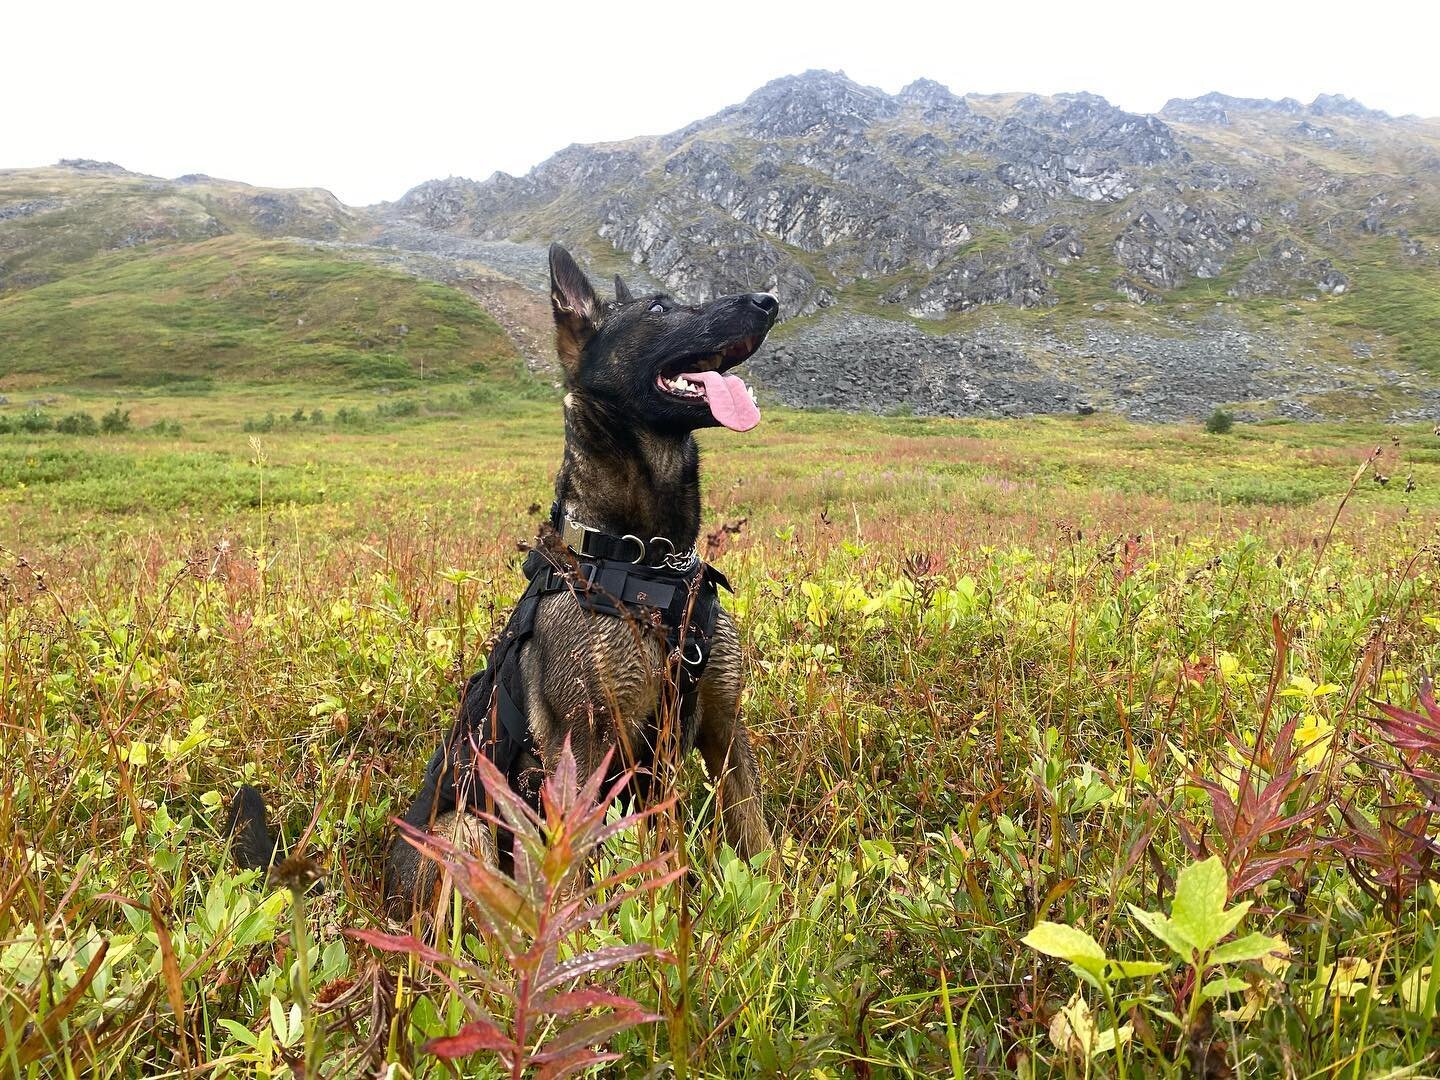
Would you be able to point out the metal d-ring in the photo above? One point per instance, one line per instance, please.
(666, 541)
(699, 653)
(638, 543)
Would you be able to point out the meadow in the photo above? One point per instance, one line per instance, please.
(1071, 734)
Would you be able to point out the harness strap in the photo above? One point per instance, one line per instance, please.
(680, 606)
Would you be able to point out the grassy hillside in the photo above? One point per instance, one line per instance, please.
(243, 309)
(53, 219)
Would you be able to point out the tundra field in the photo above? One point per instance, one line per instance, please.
(1090, 748)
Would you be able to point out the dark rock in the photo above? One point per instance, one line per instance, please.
(91, 165)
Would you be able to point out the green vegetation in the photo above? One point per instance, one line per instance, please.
(72, 215)
(1008, 683)
(1401, 302)
(245, 310)
(1219, 422)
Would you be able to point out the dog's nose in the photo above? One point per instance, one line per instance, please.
(766, 302)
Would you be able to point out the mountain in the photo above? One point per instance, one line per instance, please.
(1020, 253)
(111, 278)
(997, 254)
(53, 219)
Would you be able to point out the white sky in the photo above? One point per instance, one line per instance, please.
(368, 99)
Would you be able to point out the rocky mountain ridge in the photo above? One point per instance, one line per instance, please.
(815, 184)
(1280, 257)
(927, 206)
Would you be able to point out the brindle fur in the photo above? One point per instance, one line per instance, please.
(630, 465)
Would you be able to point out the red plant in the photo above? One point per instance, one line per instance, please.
(556, 1023)
(1414, 734)
(1390, 856)
(1257, 838)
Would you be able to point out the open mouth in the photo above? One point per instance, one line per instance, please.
(701, 380)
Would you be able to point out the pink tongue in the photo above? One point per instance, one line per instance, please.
(728, 399)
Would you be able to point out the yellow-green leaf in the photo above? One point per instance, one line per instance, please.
(1067, 943)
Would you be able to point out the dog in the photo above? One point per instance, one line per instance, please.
(621, 624)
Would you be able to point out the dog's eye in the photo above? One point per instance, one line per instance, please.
(657, 308)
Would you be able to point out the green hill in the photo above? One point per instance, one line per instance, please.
(243, 309)
(54, 218)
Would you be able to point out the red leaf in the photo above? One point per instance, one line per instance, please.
(406, 943)
(577, 1000)
(603, 959)
(590, 1032)
(473, 1037)
(573, 1063)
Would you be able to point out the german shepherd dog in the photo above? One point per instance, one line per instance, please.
(641, 375)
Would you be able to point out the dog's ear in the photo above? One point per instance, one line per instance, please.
(577, 308)
(622, 292)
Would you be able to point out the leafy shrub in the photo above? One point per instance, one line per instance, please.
(1219, 422)
(317, 417)
(403, 407)
(77, 423)
(115, 421)
(34, 422)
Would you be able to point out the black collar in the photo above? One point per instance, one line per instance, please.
(588, 543)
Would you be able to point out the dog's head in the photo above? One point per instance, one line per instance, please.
(661, 363)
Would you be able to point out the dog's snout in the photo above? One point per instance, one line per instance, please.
(765, 301)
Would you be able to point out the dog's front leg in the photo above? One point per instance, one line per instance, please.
(724, 743)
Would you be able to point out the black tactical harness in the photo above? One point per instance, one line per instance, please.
(674, 597)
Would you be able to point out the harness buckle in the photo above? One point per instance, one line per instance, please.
(574, 534)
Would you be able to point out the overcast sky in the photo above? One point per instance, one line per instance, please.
(369, 99)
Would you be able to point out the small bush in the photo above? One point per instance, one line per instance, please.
(403, 407)
(165, 429)
(34, 422)
(115, 421)
(1220, 422)
(77, 423)
(298, 416)
(317, 417)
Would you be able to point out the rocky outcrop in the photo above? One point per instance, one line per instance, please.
(1165, 244)
(1340, 105)
(1289, 269)
(28, 208)
(91, 165)
(1220, 109)
(1014, 275)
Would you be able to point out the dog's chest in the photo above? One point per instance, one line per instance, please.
(592, 663)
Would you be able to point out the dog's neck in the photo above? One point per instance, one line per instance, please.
(620, 479)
